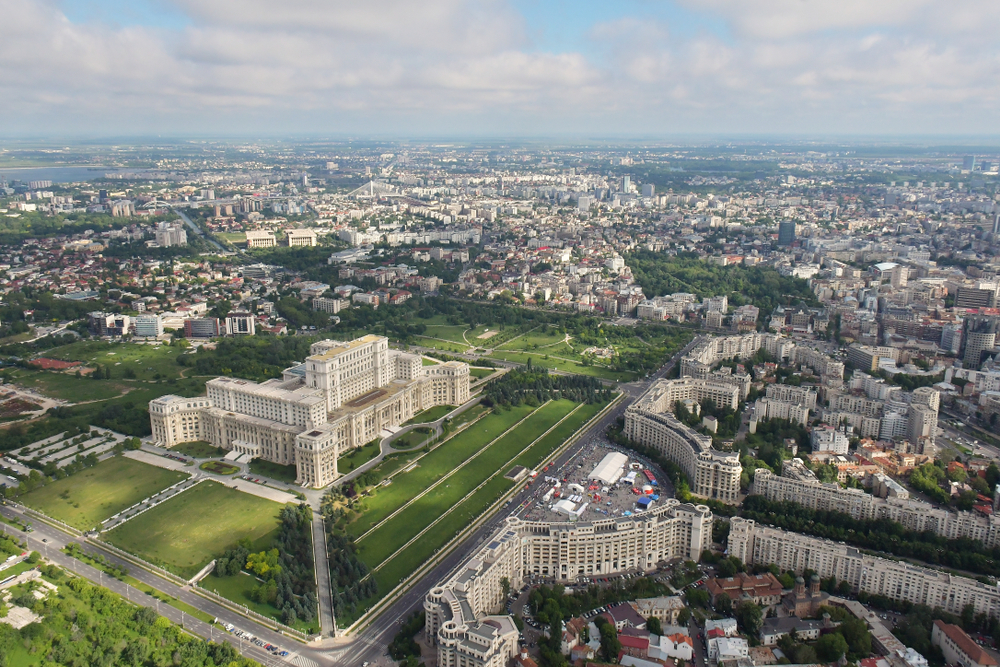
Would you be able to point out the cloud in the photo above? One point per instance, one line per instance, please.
(467, 66)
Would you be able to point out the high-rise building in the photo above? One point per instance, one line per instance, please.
(170, 234)
(979, 338)
(202, 327)
(148, 326)
(626, 183)
(969, 162)
(786, 232)
(648, 190)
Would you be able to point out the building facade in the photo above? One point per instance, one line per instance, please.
(458, 611)
(343, 396)
(650, 422)
(914, 515)
(755, 544)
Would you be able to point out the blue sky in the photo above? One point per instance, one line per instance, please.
(638, 68)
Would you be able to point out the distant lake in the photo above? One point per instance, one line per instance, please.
(59, 174)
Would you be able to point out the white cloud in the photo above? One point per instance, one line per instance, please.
(467, 66)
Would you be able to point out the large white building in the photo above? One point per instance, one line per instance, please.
(913, 514)
(342, 397)
(650, 422)
(755, 544)
(459, 618)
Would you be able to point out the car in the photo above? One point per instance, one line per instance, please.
(45, 539)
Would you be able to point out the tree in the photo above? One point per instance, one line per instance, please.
(697, 598)
(724, 604)
(831, 647)
(726, 568)
(610, 646)
(750, 617)
(684, 616)
(654, 626)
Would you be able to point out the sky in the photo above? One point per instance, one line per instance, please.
(528, 68)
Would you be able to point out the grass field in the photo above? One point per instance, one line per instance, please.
(276, 471)
(400, 566)
(187, 531)
(199, 449)
(538, 359)
(90, 496)
(424, 361)
(431, 414)
(440, 462)
(443, 345)
(219, 468)
(382, 542)
(481, 372)
(447, 332)
(358, 456)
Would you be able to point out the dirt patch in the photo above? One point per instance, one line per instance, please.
(487, 335)
(17, 406)
(47, 364)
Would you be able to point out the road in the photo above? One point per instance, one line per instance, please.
(49, 541)
(197, 230)
(370, 644)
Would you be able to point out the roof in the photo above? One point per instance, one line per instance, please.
(610, 468)
(965, 643)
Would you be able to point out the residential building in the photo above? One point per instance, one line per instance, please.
(650, 422)
(755, 544)
(959, 648)
(827, 439)
(170, 234)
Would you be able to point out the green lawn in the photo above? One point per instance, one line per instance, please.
(424, 361)
(482, 372)
(461, 514)
(432, 467)
(411, 439)
(443, 345)
(199, 449)
(394, 533)
(431, 414)
(141, 361)
(90, 496)
(358, 457)
(237, 588)
(187, 531)
(287, 474)
(447, 332)
(538, 359)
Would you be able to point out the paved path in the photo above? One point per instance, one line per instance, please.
(322, 567)
(268, 492)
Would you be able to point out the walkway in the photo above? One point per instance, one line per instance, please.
(322, 567)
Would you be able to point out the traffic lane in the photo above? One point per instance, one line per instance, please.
(50, 541)
(45, 543)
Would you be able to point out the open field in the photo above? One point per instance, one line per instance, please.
(90, 496)
(459, 516)
(431, 414)
(381, 543)
(141, 361)
(481, 372)
(440, 462)
(443, 345)
(198, 449)
(538, 359)
(276, 471)
(447, 332)
(187, 531)
(424, 361)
